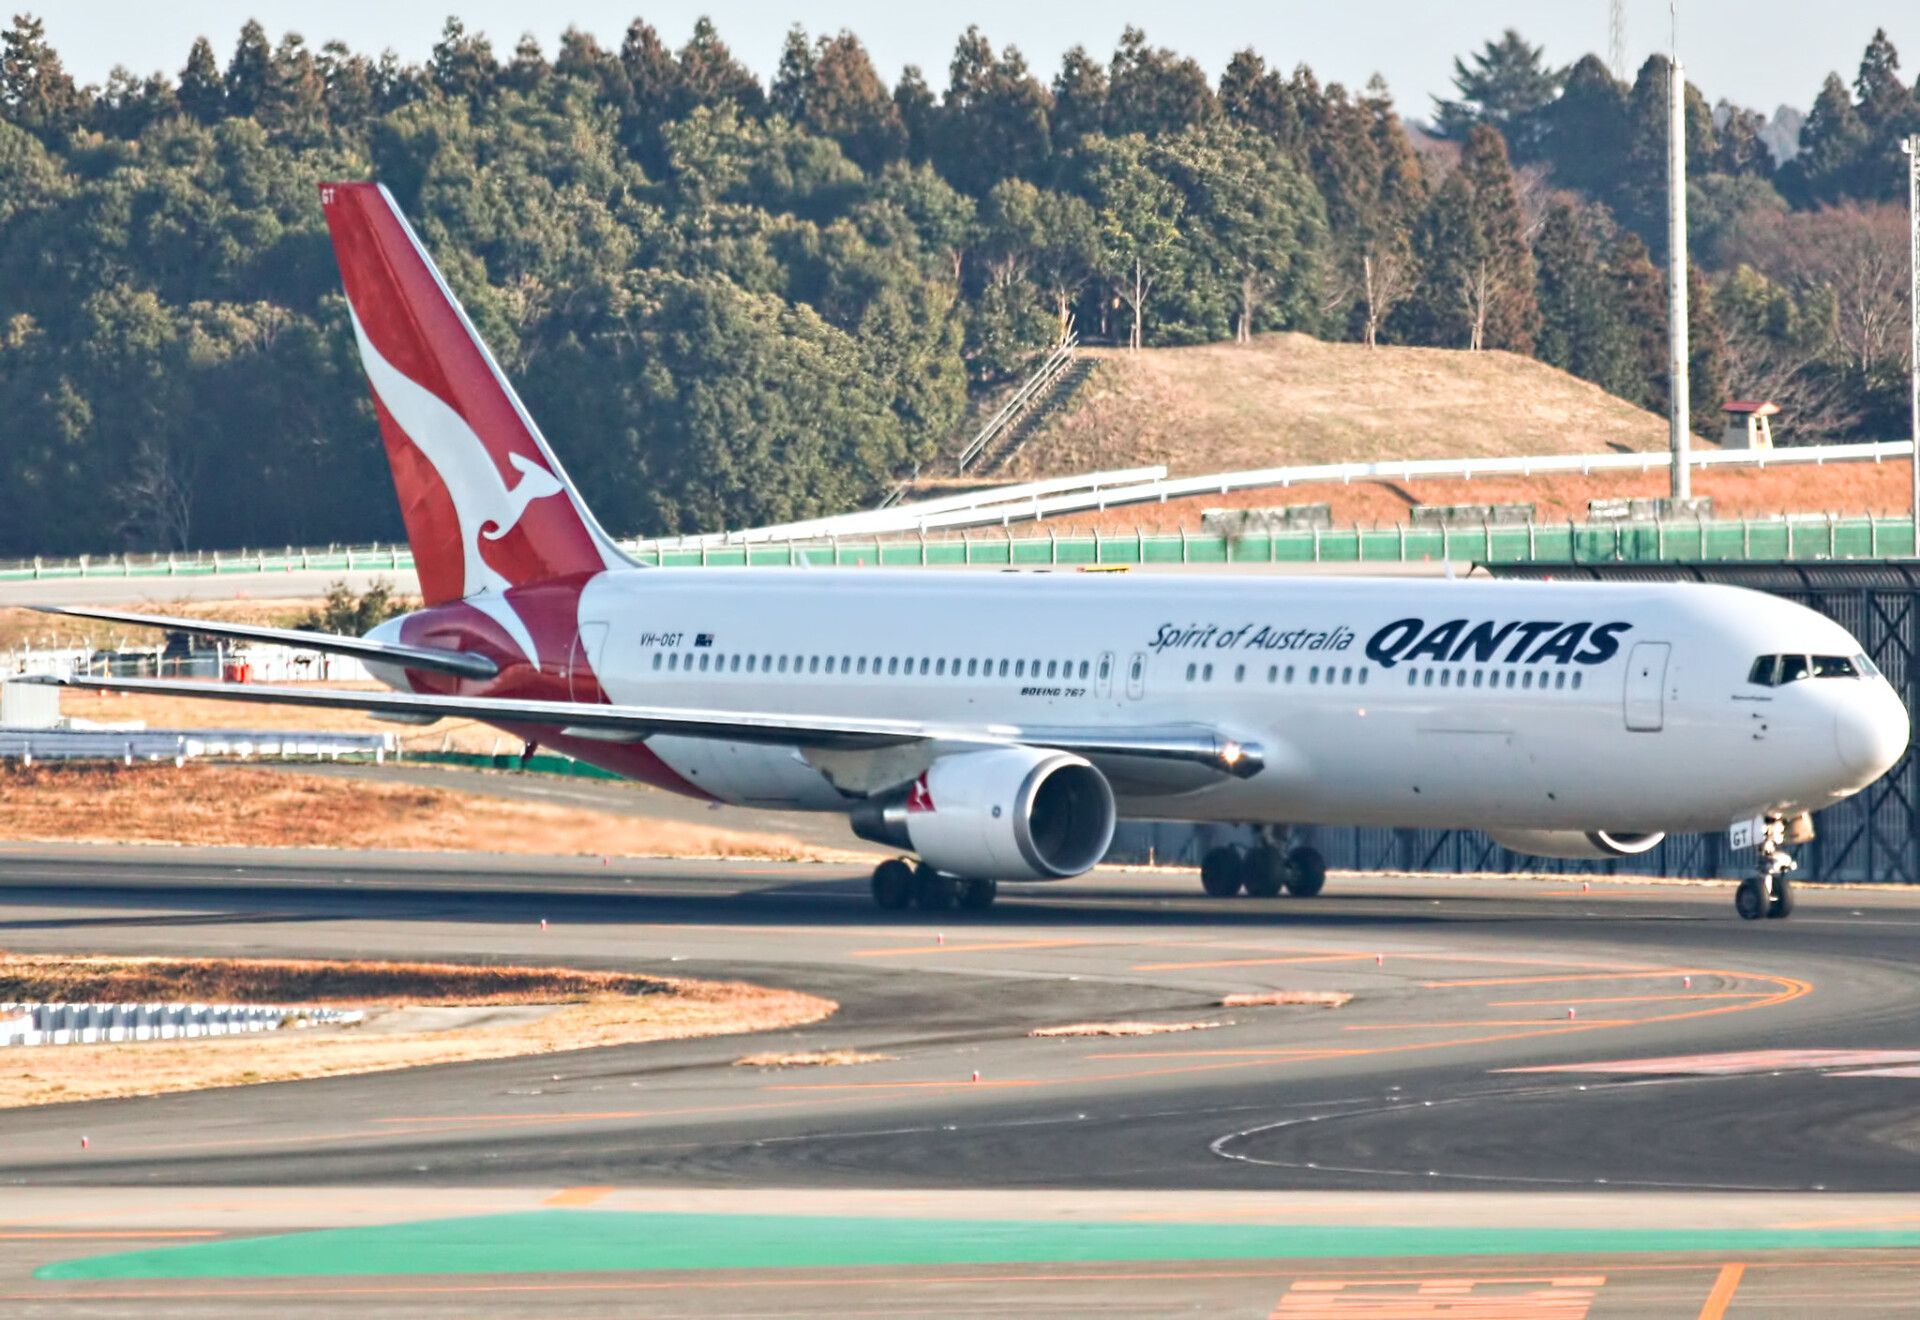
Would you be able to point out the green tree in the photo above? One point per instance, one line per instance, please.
(1151, 90)
(846, 101)
(1138, 214)
(1583, 135)
(993, 120)
(711, 76)
(248, 71)
(202, 95)
(1583, 326)
(463, 65)
(1833, 143)
(1507, 86)
(350, 614)
(1079, 98)
(35, 91)
(1501, 292)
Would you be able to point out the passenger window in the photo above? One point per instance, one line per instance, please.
(1192, 670)
(1413, 677)
(1003, 669)
(941, 669)
(1019, 668)
(1560, 681)
(1239, 673)
(813, 664)
(1526, 679)
(1427, 677)
(658, 659)
(1273, 673)
(1363, 676)
(1289, 673)
(1477, 677)
(973, 667)
(846, 664)
(1313, 674)
(893, 664)
(783, 664)
(1576, 681)
(1083, 671)
(733, 664)
(750, 664)
(1346, 675)
(1206, 674)
(862, 666)
(1512, 677)
(1051, 665)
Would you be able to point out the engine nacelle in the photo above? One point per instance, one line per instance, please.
(1579, 845)
(1010, 813)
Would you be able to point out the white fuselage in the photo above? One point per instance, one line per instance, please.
(1549, 706)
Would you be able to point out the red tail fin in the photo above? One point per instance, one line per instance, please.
(487, 506)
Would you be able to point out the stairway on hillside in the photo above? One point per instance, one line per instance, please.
(1051, 402)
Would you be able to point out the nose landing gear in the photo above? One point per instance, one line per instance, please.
(1768, 893)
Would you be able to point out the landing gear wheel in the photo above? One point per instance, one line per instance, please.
(1782, 904)
(1220, 872)
(893, 884)
(978, 895)
(1307, 872)
(1749, 900)
(1263, 872)
(933, 892)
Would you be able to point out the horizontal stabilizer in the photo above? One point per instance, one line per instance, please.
(394, 653)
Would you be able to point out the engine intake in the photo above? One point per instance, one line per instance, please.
(1578, 845)
(1012, 813)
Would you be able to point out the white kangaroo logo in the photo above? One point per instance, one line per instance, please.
(486, 507)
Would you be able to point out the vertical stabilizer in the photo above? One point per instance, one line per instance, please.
(487, 506)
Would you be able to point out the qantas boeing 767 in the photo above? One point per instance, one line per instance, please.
(995, 726)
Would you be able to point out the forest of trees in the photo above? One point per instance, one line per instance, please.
(732, 302)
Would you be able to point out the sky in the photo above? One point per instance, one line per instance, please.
(1759, 53)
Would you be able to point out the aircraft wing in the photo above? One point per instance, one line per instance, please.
(1189, 744)
(464, 664)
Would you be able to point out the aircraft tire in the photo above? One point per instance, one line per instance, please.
(1749, 901)
(1263, 872)
(1220, 872)
(978, 895)
(893, 884)
(933, 892)
(1782, 904)
(1306, 872)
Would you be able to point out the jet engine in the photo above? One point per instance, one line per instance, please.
(1580, 845)
(1008, 813)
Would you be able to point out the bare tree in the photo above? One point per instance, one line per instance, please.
(1386, 278)
(1480, 286)
(1857, 255)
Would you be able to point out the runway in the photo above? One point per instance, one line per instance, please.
(1597, 1102)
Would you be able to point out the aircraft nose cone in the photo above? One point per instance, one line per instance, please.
(1871, 734)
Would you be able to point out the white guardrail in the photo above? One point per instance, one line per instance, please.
(1024, 503)
(135, 745)
(26, 1024)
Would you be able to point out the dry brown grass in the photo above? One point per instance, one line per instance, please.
(1288, 398)
(601, 1009)
(1123, 1028)
(1288, 998)
(22, 626)
(189, 713)
(810, 1059)
(240, 806)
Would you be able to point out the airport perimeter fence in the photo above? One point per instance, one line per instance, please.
(1686, 540)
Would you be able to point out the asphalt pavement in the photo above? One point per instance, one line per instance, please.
(1566, 1099)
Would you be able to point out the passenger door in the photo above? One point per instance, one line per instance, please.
(1646, 687)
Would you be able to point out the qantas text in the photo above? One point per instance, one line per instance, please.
(1458, 640)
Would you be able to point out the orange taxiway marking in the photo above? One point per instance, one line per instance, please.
(1724, 1287)
(1630, 999)
(1492, 1022)
(1253, 962)
(109, 1233)
(577, 1196)
(1586, 976)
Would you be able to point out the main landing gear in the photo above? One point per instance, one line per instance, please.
(1768, 893)
(1262, 871)
(899, 884)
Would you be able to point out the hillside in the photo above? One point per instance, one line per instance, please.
(1290, 399)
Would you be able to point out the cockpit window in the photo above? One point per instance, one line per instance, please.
(1776, 670)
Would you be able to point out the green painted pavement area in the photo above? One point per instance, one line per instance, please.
(563, 1241)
